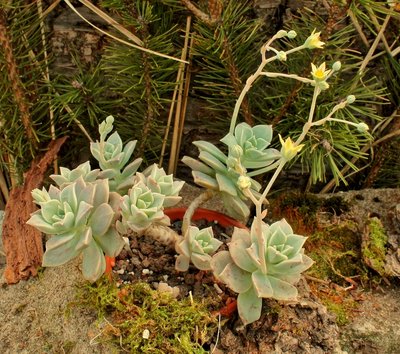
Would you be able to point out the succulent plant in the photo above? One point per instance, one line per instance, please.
(113, 156)
(68, 176)
(213, 172)
(159, 182)
(250, 145)
(140, 208)
(271, 276)
(80, 217)
(196, 246)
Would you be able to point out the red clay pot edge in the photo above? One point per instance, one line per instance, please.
(200, 213)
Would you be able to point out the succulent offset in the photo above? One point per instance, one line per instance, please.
(252, 143)
(159, 182)
(80, 218)
(140, 208)
(67, 176)
(196, 246)
(270, 276)
(113, 156)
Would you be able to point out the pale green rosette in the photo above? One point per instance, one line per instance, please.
(250, 145)
(159, 182)
(242, 269)
(140, 208)
(80, 219)
(113, 156)
(196, 246)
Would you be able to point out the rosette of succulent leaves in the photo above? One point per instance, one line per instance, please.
(89, 211)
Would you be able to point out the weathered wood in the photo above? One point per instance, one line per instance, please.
(23, 243)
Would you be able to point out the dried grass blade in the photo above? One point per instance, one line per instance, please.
(112, 22)
(119, 39)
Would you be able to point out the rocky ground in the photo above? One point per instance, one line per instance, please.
(38, 316)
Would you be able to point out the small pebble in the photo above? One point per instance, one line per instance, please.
(120, 271)
(165, 277)
(145, 271)
(146, 334)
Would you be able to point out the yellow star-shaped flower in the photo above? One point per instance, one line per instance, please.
(289, 148)
(313, 41)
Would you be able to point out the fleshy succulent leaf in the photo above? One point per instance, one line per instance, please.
(249, 306)
(94, 263)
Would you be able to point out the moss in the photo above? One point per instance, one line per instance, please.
(341, 310)
(182, 326)
(374, 250)
(336, 251)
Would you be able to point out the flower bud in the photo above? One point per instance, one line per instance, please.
(292, 34)
(336, 66)
(281, 56)
(362, 127)
(244, 182)
(350, 99)
(281, 34)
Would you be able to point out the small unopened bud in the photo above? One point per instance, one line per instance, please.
(244, 182)
(281, 56)
(292, 34)
(323, 85)
(336, 66)
(362, 127)
(350, 99)
(281, 34)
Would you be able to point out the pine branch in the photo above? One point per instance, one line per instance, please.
(14, 77)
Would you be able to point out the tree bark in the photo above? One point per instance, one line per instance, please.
(23, 243)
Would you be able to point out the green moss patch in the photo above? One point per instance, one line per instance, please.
(374, 246)
(142, 320)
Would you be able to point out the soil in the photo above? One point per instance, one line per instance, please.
(38, 315)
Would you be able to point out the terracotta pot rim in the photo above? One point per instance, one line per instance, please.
(206, 214)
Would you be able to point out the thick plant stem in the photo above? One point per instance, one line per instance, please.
(202, 198)
(163, 234)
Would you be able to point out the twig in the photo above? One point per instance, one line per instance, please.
(3, 186)
(218, 333)
(184, 100)
(377, 26)
(47, 75)
(198, 13)
(316, 280)
(357, 26)
(371, 51)
(175, 135)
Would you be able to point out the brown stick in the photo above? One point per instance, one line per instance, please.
(23, 243)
